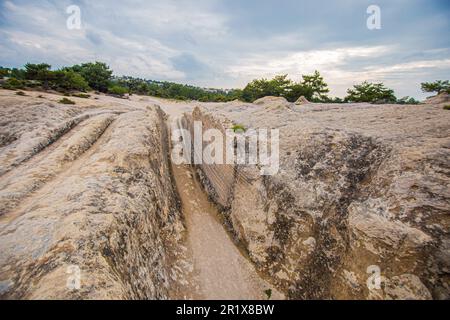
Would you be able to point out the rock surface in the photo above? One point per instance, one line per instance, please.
(358, 210)
(302, 100)
(273, 103)
(441, 98)
(360, 188)
(86, 199)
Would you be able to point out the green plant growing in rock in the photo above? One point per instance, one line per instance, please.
(238, 128)
(268, 293)
(447, 107)
(20, 93)
(66, 101)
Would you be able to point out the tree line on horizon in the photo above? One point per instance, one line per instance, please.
(99, 77)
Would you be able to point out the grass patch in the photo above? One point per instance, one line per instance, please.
(81, 95)
(268, 293)
(447, 107)
(66, 101)
(237, 128)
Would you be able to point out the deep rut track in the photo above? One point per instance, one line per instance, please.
(221, 271)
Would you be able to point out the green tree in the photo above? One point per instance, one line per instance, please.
(438, 86)
(18, 74)
(69, 80)
(40, 72)
(371, 92)
(263, 87)
(98, 74)
(235, 94)
(317, 85)
(279, 85)
(37, 71)
(4, 72)
(254, 90)
(297, 90)
(312, 87)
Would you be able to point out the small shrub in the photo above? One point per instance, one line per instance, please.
(66, 101)
(180, 98)
(20, 93)
(33, 83)
(268, 293)
(118, 90)
(447, 107)
(13, 84)
(81, 95)
(407, 100)
(238, 128)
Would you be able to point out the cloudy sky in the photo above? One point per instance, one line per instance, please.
(226, 43)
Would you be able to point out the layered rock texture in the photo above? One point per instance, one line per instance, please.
(88, 208)
(359, 208)
(90, 204)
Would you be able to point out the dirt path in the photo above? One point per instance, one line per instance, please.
(220, 269)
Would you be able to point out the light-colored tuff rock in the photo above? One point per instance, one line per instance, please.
(443, 97)
(361, 189)
(301, 101)
(95, 210)
(359, 208)
(90, 211)
(273, 103)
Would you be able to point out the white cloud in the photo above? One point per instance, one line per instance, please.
(301, 62)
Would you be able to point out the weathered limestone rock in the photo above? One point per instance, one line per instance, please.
(443, 97)
(359, 186)
(358, 210)
(301, 101)
(273, 103)
(97, 202)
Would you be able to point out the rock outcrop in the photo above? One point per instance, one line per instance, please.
(360, 206)
(443, 97)
(301, 101)
(89, 210)
(273, 103)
